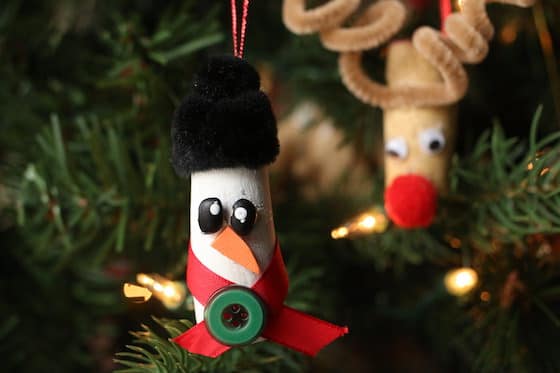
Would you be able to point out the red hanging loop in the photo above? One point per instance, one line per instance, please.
(243, 28)
(239, 44)
(445, 10)
(234, 26)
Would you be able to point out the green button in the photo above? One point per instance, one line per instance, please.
(235, 316)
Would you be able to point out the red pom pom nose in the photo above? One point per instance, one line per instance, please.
(411, 201)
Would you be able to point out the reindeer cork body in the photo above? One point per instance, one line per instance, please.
(418, 143)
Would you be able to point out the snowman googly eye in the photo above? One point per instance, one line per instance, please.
(243, 217)
(432, 140)
(210, 215)
(241, 214)
(215, 208)
(396, 147)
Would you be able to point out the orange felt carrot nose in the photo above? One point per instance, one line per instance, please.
(231, 245)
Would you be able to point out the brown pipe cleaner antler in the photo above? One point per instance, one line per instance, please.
(465, 41)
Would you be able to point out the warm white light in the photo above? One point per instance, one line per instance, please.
(171, 293)
(340, 232)
(508, 33)
(144, 279)
(460, 281)
(367, 222)
(135, 293)
(485, 296)
(464, 279)
(373, 221)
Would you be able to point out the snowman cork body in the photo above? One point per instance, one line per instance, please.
(225, 188)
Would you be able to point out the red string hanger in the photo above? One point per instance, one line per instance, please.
(239, 45)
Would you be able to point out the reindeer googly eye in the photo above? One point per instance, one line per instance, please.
(210, 215)
(396, 148)
(432, 140)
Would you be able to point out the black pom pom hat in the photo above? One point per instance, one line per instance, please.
(226, 121)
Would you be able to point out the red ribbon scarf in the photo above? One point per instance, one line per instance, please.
(286, 326)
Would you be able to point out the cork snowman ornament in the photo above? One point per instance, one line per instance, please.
(224, 137)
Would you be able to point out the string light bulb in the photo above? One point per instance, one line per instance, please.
(460, 281)
(171, 293)
(508, 33)
(372, 221)
(136, 294)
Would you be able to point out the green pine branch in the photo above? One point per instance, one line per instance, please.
(507, 189)
(96, 195)
(154, 352)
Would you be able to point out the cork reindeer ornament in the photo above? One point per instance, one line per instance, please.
(224, 137)
(425, 78)
(418, 143)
